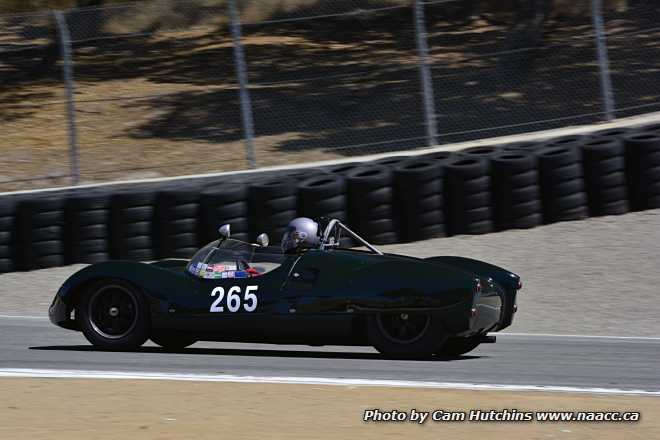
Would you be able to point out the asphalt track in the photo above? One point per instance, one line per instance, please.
(536, 360)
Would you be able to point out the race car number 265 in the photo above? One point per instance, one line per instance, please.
(233, 300)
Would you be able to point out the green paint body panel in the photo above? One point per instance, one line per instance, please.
(319, 297)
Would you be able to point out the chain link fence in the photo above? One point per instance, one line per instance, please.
(167, 87)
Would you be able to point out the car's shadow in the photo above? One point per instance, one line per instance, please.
(253, 352)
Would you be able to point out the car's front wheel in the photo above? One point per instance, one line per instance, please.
(459, 346)
(113, 315)
(404, 335)
(171, 340)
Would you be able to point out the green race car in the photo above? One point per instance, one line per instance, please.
(320, 294)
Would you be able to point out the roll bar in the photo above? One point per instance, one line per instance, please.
(336, 223)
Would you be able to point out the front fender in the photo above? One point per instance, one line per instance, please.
(410, 284)
(509, 281)
(159, 284)
(155, 281)
(503, 277)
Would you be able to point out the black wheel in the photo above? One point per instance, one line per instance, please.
(405, 335)
(113, 315)
(459, 346)
(172, 341)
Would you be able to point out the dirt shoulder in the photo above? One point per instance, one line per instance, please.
(82, 409)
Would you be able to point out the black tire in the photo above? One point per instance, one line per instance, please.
(92, 246)
(343, 168)
(47, 233)
(91, 232)
(529, 146)
(139, 255)
(485, 151)
(370, 208)
(93, 258)
(391, 161)
(455, 347)
(419, 199)
(136, 214)
(468, 195)
(48, 261)
(305, 173)
(571, 140)
(93, 217)
(107, 330)
(425, 339)
(137, 229)
(6, 265)
(440, 157)
(171, 340)
(643, 169)
(272, 205)
(323, 196)
(220, 205)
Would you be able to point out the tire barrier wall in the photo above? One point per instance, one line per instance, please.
(370, 203)
(396, 199)
(643, 169)
(272, 204)
(131, 226)
(220, 205)
(468, 191)
(87, 229)
(39, 239)
(419, 199)
(6, 236)
(175, 223)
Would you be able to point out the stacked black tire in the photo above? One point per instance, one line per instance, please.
(370, 203)
(605, 175)
(175, 223)
(516, 190)
(131, 225)
(563, 191)
(223, 204)
(87, 230)
(273, 203)
(643, 169)
(6, 237)
(323, 196)
(419, 199)
(39, 233)
(468, 192)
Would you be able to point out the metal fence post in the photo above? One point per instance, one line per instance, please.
(67, 69)
(425, 74)
(603, 60)
(241, 74)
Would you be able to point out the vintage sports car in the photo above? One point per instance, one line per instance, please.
(322, 295)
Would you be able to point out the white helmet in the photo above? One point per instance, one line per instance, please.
(301, 232)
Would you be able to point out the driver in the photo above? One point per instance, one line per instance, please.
(301, 233)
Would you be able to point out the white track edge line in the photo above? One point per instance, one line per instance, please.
(557, 335)
(83, 374)
(23, 317)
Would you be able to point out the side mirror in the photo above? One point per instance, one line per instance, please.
(225, 231)
(263, 240)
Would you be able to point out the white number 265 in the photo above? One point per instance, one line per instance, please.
(233, 300)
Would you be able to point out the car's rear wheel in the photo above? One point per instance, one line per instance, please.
(171, 340)
(113, 315)
(405, 335)
(459, 346)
